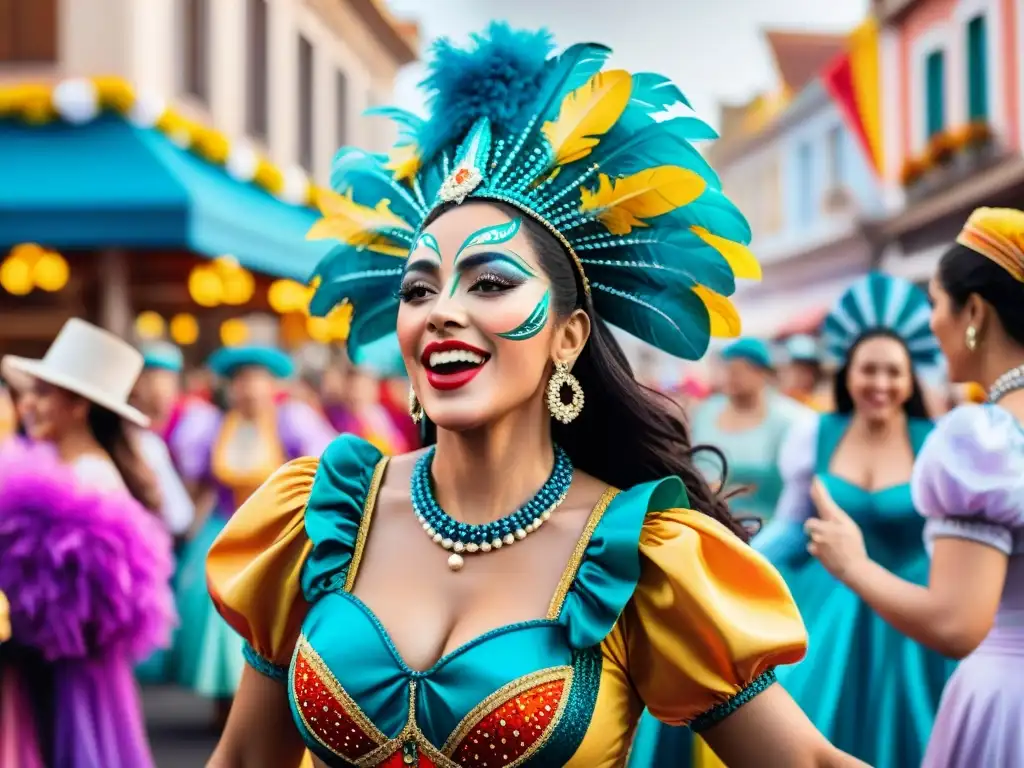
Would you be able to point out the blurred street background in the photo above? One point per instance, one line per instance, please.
(161, 162)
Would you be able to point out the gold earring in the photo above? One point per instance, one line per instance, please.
(972, 338)
(415, 409)
(558, 409)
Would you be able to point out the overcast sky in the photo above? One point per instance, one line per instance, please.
(713, 49)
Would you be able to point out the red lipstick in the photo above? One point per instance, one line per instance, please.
(453, 370)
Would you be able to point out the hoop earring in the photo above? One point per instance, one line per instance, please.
(972, 338)
(559, 410)
(415, 409)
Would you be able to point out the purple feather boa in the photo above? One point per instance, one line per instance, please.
(87, 574)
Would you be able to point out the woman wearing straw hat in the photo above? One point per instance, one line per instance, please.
(84, 560)
(224, 458)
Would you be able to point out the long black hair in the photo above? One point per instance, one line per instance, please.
(114, 437)
(628, 434)
(914, 407)
(963, 271)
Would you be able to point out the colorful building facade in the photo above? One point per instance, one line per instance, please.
(952, 117)
(140, 139)
(809, 186)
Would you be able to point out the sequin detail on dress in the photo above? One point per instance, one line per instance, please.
(511, 725)
(329, 713)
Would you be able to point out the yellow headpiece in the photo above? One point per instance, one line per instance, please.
(997, 233)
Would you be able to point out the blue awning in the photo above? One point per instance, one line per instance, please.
(110, 184)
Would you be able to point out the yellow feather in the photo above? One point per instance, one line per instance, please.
(623, 203)
(349, 222)
(588, 112)
(404, 162)
(739, 256)
(725, 320)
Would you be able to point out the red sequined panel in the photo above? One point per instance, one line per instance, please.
(327, 711)
(514, 725)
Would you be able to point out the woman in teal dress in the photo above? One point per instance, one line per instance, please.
(870, 689)
(515, 593)
(747, 423)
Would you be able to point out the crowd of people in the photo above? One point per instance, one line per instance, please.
(518, 554)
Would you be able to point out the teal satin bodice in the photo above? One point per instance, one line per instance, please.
(891, 525)
(525, 690)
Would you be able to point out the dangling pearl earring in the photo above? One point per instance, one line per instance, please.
(972, 338)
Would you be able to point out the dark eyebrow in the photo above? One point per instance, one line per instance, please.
(422, 265)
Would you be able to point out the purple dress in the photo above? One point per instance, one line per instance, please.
(969, 483)
(235, 457)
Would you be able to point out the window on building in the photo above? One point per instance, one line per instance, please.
(305, 103)
(256, 117)
(935, 93)
(834, 148)
(341, 108)
(28, 31)
(977, 69)
(805, 206)
(196, 34)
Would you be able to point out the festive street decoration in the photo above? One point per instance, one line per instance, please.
(81, 100)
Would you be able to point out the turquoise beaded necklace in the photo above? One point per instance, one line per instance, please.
(464, 538)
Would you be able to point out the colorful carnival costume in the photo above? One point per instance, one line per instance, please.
(871, 690)
(233, 456)
(282, 574)
(659, 605)
(86, 570)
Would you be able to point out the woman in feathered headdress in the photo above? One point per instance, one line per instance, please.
(869, 688)
(495, 599)
(969, 485)
(84, 559)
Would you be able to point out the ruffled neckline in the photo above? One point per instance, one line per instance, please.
(600, 578)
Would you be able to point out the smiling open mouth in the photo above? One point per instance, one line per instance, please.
(451, 364)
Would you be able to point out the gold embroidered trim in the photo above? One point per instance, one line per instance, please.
(505, 694)
(410, 733)
(569, 574)
(364, 525)
(341, 696)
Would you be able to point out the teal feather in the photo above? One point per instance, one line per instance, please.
(656, 92)
(675, 252)
(679, 325)
(410, 125)
(360, 276)
(364, 175)
(371, 323)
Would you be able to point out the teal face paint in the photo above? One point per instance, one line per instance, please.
(429, 241)
(505, 263)
(493, 235)
(534, 323)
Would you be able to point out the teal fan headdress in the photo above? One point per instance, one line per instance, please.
(883, 302)
(656, 243)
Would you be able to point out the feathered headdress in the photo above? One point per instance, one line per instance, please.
(883, 302)
(656, 243)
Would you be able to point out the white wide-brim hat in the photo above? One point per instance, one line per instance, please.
(88, 361)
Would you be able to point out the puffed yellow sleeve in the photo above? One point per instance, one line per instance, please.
(253, 567)
(709, 620)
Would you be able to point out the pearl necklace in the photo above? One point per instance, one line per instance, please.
(1009, 382)
(464, 538)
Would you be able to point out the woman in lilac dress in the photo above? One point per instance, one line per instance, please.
(223, 458)
(969, 484)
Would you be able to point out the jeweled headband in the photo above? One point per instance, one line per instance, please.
(998, 234)
(657, 244)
